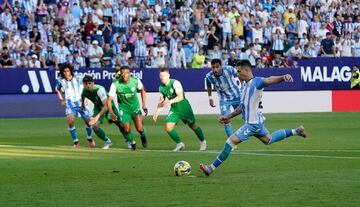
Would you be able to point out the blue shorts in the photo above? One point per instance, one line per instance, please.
(227, 35)
(248, 130)
(70, 110)
(225, 107)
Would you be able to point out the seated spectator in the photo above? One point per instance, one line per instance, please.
(295, 51)
(34, 63)
(215, 53)
(232, 61)
(279, 62)
(309, 51)
(22, 62)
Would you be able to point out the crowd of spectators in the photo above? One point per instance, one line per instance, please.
(175, 33)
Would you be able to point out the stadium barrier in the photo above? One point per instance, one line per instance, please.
(319, 85)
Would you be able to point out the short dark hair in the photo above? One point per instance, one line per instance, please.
(244, 63)
(88, 79)
(214, 61)
(125, 67)
(63, 67)
(164, 69)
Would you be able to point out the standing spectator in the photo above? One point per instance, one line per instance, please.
(62, 52)
(356, 47)
(327, 46)
(347, 46)
(226, 29)
(95, 54)
(35, 35)
(140, 51)
(198, 59)
(289, 13)
(97, 14)
(291, 29)
(238, 27)
(178, 59)
(278, 42)
(120, 19)
(338, 25)
(212, 38)
(338, 46)
(303, 27)
(159, 54)
(258, 33)
(175, 36)
(315, 26)
(107, 30)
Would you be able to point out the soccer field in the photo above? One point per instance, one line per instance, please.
(39, 167)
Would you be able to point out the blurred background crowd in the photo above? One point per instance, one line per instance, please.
(175, 33)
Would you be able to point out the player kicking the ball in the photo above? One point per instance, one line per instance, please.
(251, 93)
(172, 93)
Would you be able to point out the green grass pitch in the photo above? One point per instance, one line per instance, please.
(39, 167)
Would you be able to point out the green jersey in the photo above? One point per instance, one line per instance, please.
(127, 94)
(96, 97)
(169, 91)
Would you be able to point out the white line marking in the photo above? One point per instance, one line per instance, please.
(238, 152)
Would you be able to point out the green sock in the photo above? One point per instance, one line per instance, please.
(175, 136)
(101, 134)
(199, 133)
(143, 134)
(129, 137)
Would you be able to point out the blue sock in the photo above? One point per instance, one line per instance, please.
(280, 135)
(223, 155)
(228, 129)
(88, 132)
(73, 134)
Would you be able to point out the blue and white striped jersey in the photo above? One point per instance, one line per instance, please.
(251, 94)
(72, 90)
(227, 84)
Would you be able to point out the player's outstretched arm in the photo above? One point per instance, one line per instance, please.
(159, 108)
(104, 109)
(226, 119)
(209, 91)
(109, 107)
(278, 79)
(61, 97)
(143, 100)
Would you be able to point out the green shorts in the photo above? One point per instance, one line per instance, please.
(187, 118)
(107, 115)
(101, 119)
(128, 116)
